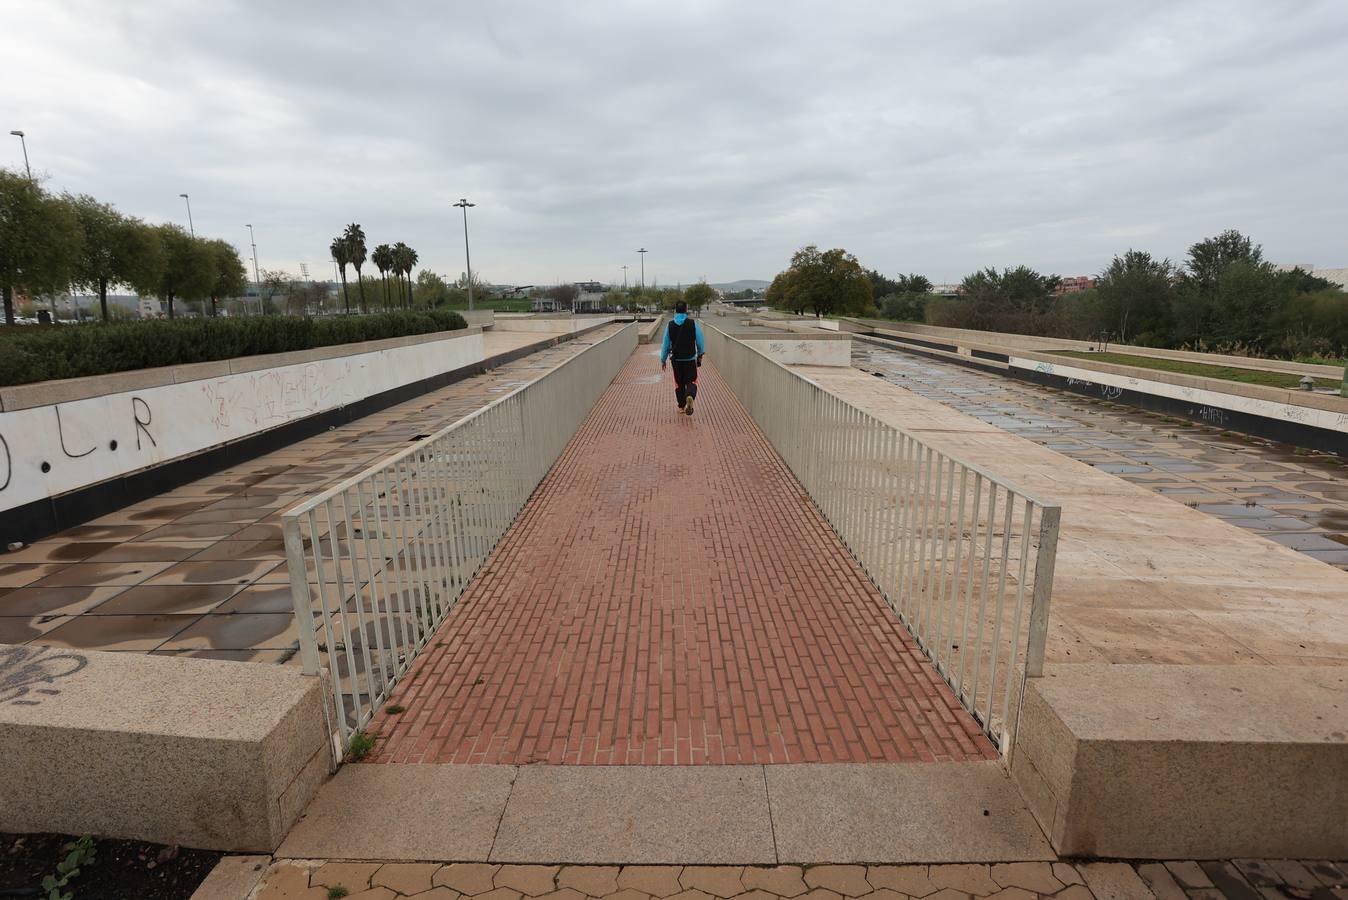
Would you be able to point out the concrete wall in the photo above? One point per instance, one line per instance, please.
(558, 325)
(61, 436)
(482, 318)
(804, 350)
(191, 752)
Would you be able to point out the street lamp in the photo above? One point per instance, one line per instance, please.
(252, 240)
(643, 251)
(624, 277)
(19, 135)
(190, 226)
(464, 204)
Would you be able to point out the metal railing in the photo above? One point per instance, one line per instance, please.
(377, 561)
(964, 556)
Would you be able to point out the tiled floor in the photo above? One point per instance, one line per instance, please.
(670, 596)
(200, 570)
(1297, 499)
(1181, 880)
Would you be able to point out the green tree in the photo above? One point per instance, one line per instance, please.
(40, 240)
(822, 281)
(404, 259)
(189, 267)
(341, 253)
(430, 290)
(114, 250)
(913, 284)
(698, 295)
(1209, 258)
(1137, 291)
(229, 278)
(382, 257)
(355, 243)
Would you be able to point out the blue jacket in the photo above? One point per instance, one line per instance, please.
(679, 319)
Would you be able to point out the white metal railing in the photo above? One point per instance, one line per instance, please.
(964, 556)
(377, 561)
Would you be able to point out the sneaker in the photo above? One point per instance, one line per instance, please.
(683, 404)
(688, 406)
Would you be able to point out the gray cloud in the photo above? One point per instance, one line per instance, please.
(720, 135)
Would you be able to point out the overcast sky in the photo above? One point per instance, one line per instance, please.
(935, 138)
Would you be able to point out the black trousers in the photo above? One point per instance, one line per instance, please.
(685, 379)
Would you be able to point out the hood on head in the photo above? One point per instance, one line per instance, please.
(680, 318)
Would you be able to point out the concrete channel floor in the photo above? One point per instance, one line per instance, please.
(200, 570)
(1299, 500)
(670, 596)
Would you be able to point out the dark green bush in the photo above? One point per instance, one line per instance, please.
(31, 353)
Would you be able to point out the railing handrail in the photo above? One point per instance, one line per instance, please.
(1000, 480)
(384, 462)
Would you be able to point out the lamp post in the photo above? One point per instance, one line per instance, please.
(190, 226)
(624, 277)
(468, 260)
(253, 240)
(643, 251)
(24, 144)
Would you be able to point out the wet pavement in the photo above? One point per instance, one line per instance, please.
(1295, 497)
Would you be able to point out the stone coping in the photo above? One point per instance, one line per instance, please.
(1029, 342)
(66, 390)
(1309, 399)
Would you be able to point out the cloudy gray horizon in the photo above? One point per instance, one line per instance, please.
(722, 136)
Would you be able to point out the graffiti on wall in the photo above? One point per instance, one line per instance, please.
(27, 674)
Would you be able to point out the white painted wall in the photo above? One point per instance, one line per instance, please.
(87, 441)
(1210, 404)
(566, 325)
(805, 352)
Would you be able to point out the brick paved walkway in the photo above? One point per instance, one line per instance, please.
(670, 596)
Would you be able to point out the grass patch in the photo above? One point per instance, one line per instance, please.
(360, 746)
(336, 892)
(395, 709)
(1226, 373)
(512, 305)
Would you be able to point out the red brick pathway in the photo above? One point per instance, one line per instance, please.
(670, 596)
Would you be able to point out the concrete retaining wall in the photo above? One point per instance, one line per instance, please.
(57, 437)
(559, 325)
(188, 752)
(804, 349)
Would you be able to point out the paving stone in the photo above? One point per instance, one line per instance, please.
(232, 878)
(501, 894)
(594, 881)
(756, 895)
(628, 894)
(290, 882)
(1227, 879)
(1293, 873)
(438, 893)
(1067, 873)
(1189, 874)
(1074, 892)
(883, 894)
(531, 881)
(405, 878)
(563, 894)
(850, 881)
(656, 881)
(1013, 893)
(379, 893)
(822, 894)
(1330, 875)
(1036, 877)
(950, 894)
(968, 878)
(1259, 873)
(353, 876)
(692, 894)
(1114, 881)
(911, 880)
(719, 881)
(1161, 883)
(466, 878)
(1206, 894)
(784, 881)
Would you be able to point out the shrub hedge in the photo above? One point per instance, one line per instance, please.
(30, 353)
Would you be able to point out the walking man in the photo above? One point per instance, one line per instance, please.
(683, 342)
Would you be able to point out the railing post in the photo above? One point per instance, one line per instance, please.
(299, 593)
(1044, 562)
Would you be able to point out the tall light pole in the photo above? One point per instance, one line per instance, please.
(464, 204)
(643, 251)
(24, 143)
(190, 226)
(252, 240)
(624, 277)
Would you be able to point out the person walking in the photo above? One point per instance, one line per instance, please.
(683, 342)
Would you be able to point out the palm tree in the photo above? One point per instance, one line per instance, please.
(355, 242)
(341, 252)
(400, 265)
(382, 257)
(409, 260)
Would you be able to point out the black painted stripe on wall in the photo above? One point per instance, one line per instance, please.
(1281, 430)
(42, 518)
